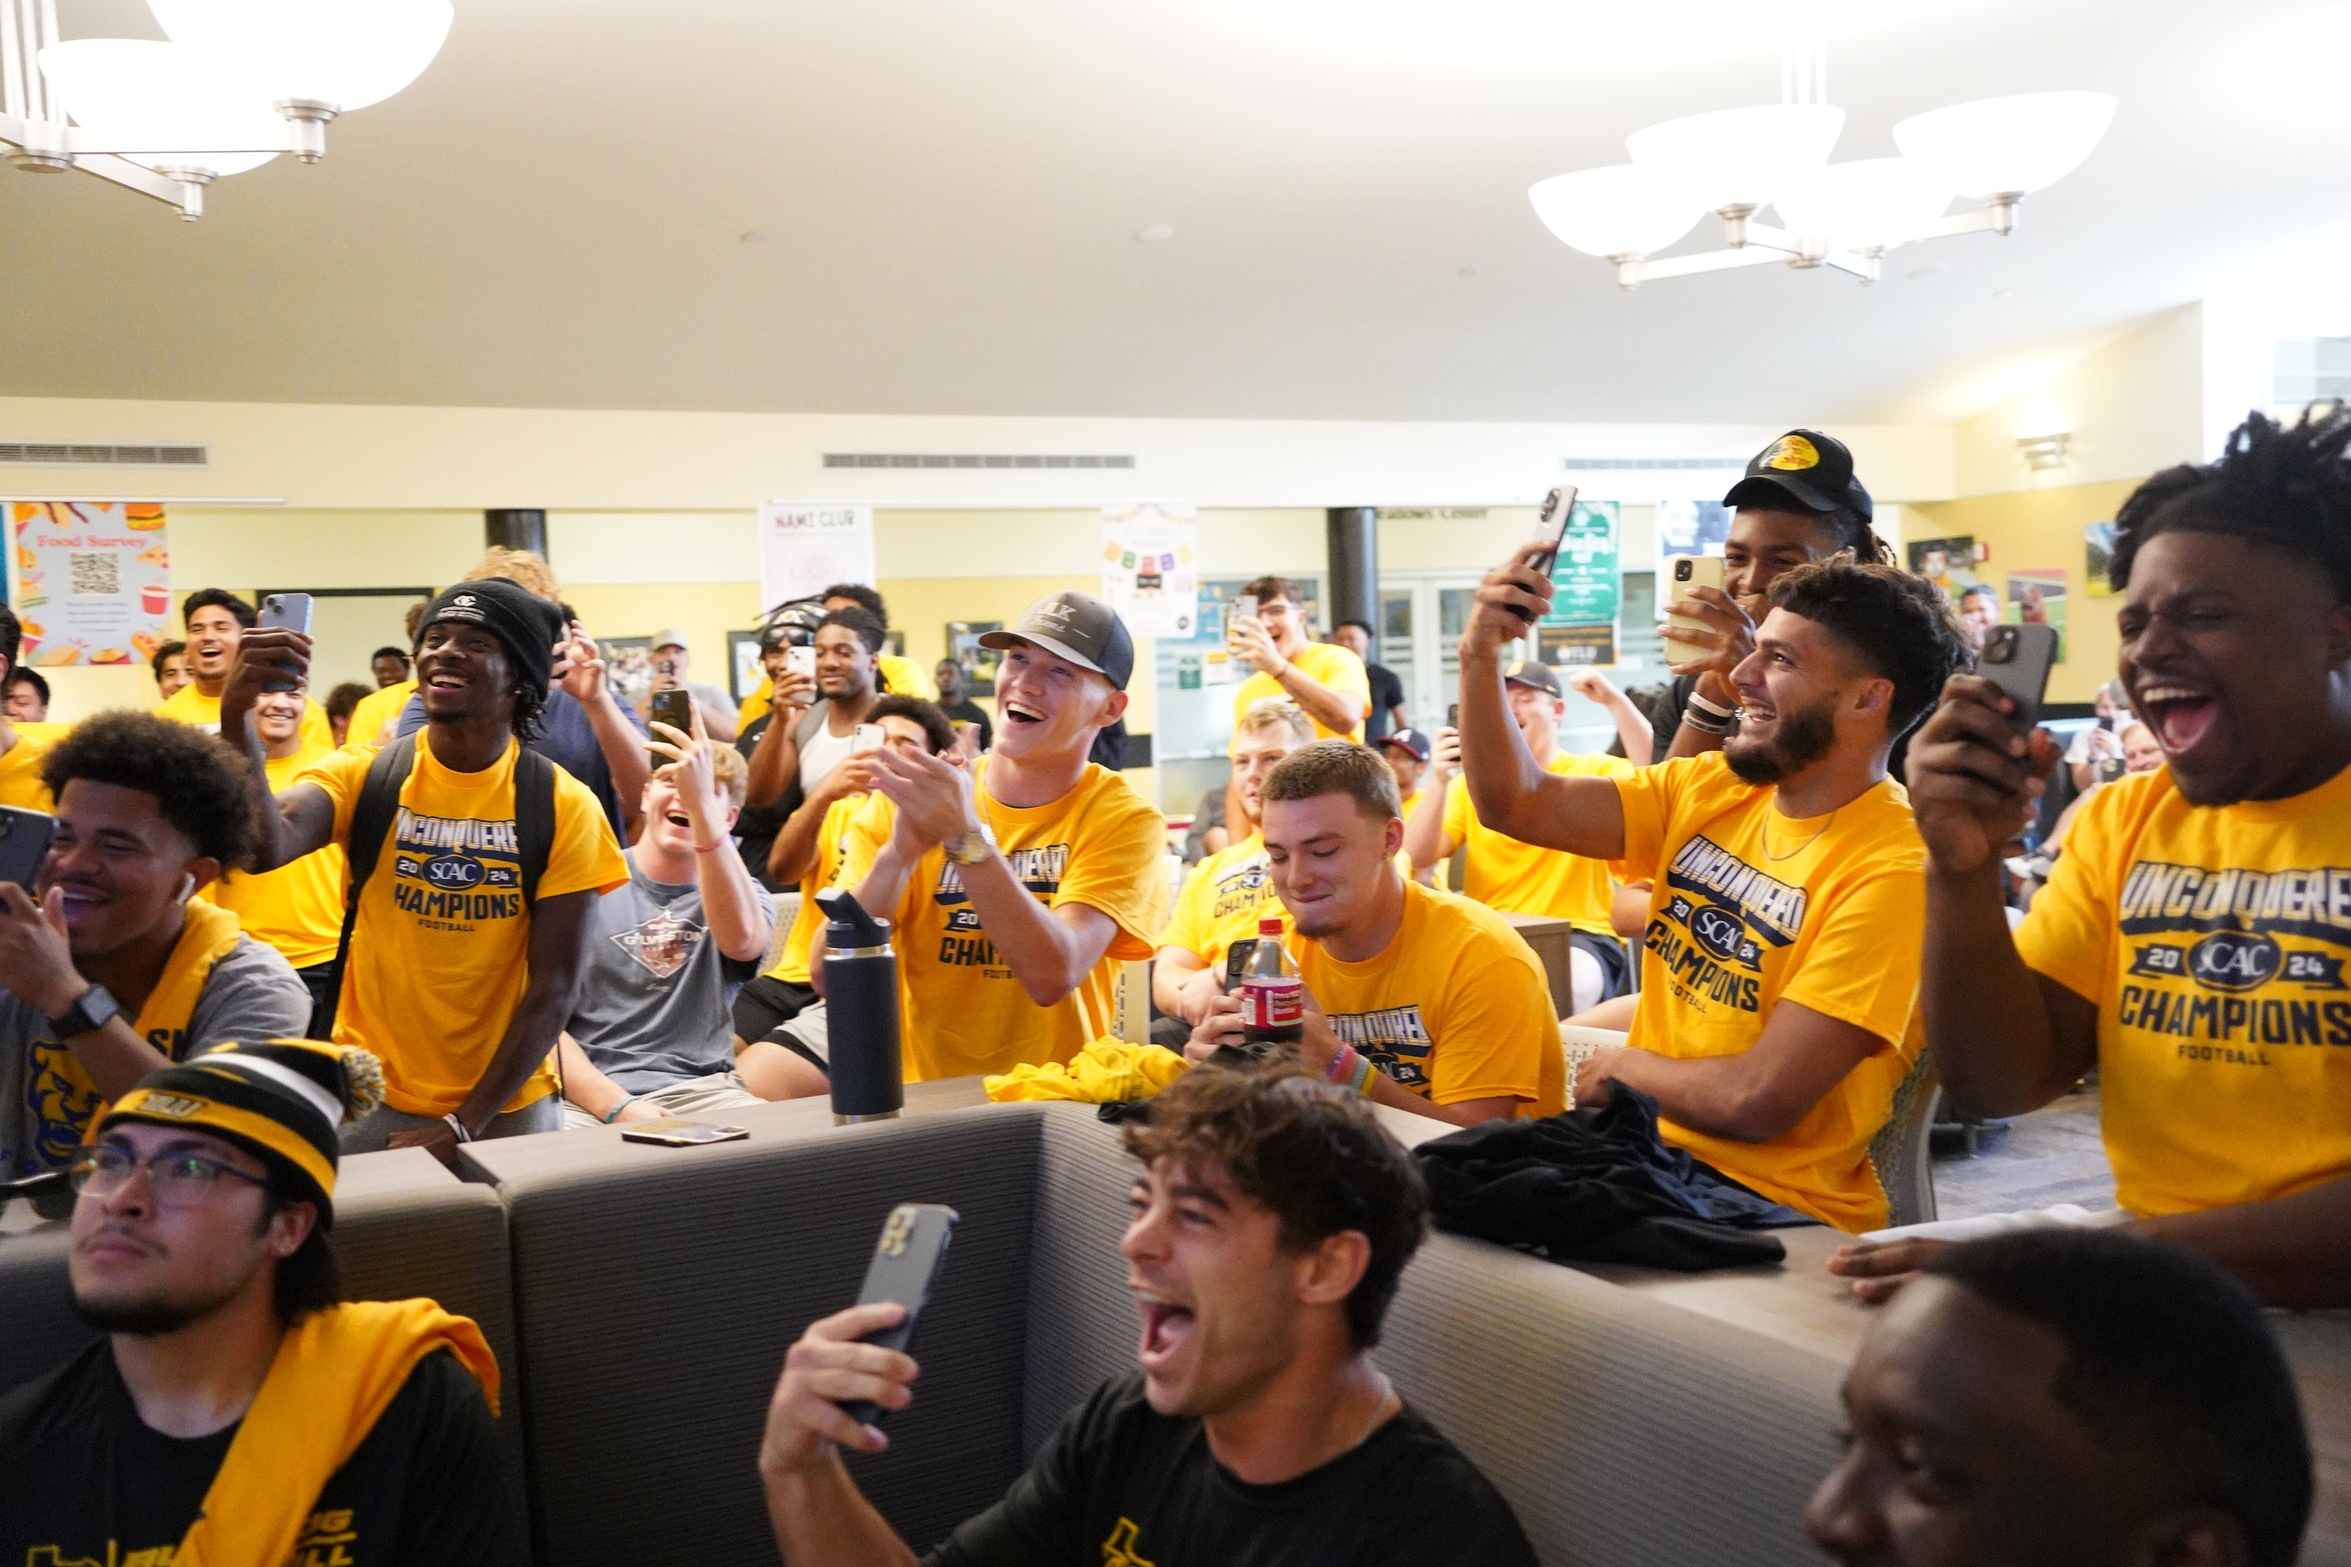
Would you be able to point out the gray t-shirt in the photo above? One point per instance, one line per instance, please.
(656, 996)
(251, 994)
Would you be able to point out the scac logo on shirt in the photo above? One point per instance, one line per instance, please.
(454, 871)
(2234, 960)
(1720, 933)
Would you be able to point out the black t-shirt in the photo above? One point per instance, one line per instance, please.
(1387, 694)
(1121, 1483)
(969, 712)
(1665, 719)
(84, 1479)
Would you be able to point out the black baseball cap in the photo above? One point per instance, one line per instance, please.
(1533, 674)
(1079, 627)
(1804, 466)
(1410, 741)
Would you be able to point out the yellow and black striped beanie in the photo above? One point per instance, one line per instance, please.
(281, 1100)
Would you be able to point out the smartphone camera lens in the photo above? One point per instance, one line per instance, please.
(1681, 571)
(2002, 646)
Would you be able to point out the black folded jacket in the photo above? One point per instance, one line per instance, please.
(1598, 1186)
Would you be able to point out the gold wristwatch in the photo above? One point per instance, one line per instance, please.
(972, 847)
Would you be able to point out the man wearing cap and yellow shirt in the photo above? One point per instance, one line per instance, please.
(237, 1411)
(1521, 878)
(1418, 999)
(1779, 978)
(297, 908)
(1019, 883)
(456, 982)
(1322, 677)
(1228, 890)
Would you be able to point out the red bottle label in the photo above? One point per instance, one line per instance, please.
(1273, 1003)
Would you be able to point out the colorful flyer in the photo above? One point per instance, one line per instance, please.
(1150, 570)
(1585, 582)
(93, 581)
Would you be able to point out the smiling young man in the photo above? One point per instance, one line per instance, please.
(1418, 999)
(169, 666)
(235, 1411)
(1799, 503)
(2191, 940)
(649, 1034)
(1227, 891)
(459, 979)
(1019, 882)
(117, 973)
(24, 744)
(1271, 1224)
(1322, 677)
(1779, 974)
(217, 620)
(2068, 1398)
(297, 908)
(811, 727)
(781, 1062)
(1522, 878)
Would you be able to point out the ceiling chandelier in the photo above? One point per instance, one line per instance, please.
(239, 82)
(1735, 162)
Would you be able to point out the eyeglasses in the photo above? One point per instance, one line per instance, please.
(179, 1180)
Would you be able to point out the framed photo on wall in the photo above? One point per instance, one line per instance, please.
(979, 663)
(743, 668)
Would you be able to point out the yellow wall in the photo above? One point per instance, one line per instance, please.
(2043, 528)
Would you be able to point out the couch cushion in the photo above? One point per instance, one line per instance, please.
(663, 1285)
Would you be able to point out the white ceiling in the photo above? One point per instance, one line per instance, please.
(948, 193)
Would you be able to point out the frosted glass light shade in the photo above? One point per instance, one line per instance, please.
(1621, 210)
(1739, 155)
(162, 104)
(343, 53)
(1995, 146)
(1872, 202)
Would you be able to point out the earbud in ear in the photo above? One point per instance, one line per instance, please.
(187, 886)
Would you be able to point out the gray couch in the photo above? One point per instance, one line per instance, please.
(641, 1300)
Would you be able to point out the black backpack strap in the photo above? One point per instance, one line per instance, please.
(534, 818)
(371, 820)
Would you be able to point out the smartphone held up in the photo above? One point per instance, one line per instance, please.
(906, 1260)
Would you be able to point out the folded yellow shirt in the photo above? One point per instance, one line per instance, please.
(1106, 1071)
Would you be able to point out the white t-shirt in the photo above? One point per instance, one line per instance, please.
(821, 752)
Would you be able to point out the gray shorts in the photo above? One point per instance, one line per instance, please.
(373, 1130)
(809, 1036)
(690, 1097)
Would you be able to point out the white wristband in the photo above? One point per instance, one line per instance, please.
(457, 1126)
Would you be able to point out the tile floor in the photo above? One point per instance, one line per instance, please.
(2050, 1156)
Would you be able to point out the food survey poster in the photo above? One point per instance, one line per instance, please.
(93, 581)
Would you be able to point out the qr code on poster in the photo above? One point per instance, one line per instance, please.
(93, 573)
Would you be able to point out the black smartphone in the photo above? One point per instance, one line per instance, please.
(905, 1261)
(1453, 716)
(24, 844)
(1236, 961)
(2017, 659)
(287, 611)
(676, 709)
(1551, 527)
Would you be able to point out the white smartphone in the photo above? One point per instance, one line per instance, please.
(1682, 573)
(867, 737)
(1244, 608)
(800, 661)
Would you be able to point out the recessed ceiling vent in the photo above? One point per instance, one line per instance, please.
(973, 460)
(74, 454)
(1650, 464)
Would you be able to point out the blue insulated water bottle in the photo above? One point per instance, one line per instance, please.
(861, 1007)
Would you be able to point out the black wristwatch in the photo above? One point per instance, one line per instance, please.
(86, 1016)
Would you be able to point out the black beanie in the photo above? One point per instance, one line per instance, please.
(525, 622)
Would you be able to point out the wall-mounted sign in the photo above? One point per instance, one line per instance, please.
(1151, 568)
(807, 546)
(93, 581)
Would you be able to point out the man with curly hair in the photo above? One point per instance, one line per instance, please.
(2190, 944)
(1779, 968)
(116, 973)
(460, 973)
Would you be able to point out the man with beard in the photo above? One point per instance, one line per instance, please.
(1271, 1221)
(1779, 974)
(1417, 999)
(2190, 942)
(237, 1410)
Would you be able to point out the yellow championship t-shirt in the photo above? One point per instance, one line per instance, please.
(1519, 878)
(2212, 939)
(1456, 1008)
(1752, 908)
(1327, 662)
(439, 954)
(962, 1010)
(20, 766)
(296, 908)
(376, 712)
(192, 707)
(1221, 903)
(900, 677)
(832, 841)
